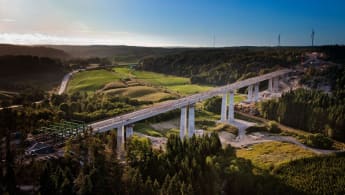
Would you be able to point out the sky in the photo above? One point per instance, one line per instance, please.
(168, 23)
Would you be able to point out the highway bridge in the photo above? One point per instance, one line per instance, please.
(124, 126)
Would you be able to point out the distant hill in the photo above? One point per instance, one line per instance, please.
(219, 66)
(120, 53)
(40, 51)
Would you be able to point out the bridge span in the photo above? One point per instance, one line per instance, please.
(124, 126)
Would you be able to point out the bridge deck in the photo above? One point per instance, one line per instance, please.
(163, 107)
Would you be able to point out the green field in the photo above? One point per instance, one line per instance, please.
(147, 130)
(141, 93)
(177, 84)
(153, 86)
(272, 154)
(91, 81)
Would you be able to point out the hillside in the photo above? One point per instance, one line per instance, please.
(40, 51)
(19, 72)
(119, 53)
(223, 65)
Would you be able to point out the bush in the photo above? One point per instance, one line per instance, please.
(213, 104)
(319, 141)
(255, 128)
(227, 128)
(273, 127)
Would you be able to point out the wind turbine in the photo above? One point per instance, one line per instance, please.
(312, 37)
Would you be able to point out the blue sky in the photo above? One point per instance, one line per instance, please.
(172, 22)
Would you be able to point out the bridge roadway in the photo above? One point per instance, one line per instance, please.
(130, 118)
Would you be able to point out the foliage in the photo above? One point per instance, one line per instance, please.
(319, 141)
(256, 128)
(312, 111)
(20, 72)
(272, 154)
(273, 127)
(318, 175)
(226, 127)
(213, 104)
(223, 65)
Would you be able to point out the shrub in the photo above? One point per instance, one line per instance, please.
(226, 127)
(319, 141)
(273, 127)
(255, 128)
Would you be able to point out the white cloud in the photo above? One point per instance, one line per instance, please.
(110, 38)
(7, 20)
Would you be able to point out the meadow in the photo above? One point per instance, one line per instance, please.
(273, 154)
(139, 85)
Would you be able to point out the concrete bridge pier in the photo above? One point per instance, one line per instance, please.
(231, 115)
(250, 93)
(223, 108)
(191, 120)
(183, 122)
(120, 138)
(275, 84)
(256, 92)
(187, 121)
(129, 131)
(270, 85)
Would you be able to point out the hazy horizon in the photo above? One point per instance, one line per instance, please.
(154, 23)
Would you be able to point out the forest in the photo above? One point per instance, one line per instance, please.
(199, 165)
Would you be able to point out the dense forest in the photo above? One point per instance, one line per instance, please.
(19, 72)
(39, 51)
(194, 166)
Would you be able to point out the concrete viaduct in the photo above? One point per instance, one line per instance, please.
(124, 123)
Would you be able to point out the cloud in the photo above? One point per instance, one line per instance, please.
(7, 20)
(122, 38)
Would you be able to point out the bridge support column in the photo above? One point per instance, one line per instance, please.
(129, 131)
(250, 93)
(183, 122)
(270, 85)
(191, 120)
(275, 84)
(256, 92)
(223, 108)
(120, 138)
(231, 107)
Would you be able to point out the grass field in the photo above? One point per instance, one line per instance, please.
(177, 84)
(91, 81)
(141, 93)
(147, 130)
(272, 154)
(153, 86)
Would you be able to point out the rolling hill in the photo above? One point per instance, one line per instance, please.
(40, 51)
